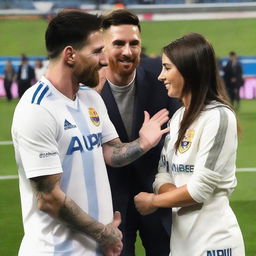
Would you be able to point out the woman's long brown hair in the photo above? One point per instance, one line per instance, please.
(195, 59)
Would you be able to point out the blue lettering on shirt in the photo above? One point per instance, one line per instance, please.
(164, 162)
(90, 142)
(220, 252)
(182, 168)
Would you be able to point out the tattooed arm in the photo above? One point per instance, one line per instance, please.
(53, 201)
(118, 154)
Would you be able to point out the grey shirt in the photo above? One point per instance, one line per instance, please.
(124, 96)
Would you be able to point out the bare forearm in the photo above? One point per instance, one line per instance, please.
(166, 188)
(173, 197)
(146, 203)
(118, 154)
(54, 202)
(74, 217)
(70, 214)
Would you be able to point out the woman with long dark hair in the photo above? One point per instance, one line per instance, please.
(9, 76)
(197, 166)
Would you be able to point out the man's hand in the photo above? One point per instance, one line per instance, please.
(143, 203)
(150, 132)
(118, 154)
(111, 237)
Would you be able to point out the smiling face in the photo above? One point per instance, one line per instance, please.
(122, 47)
(89, 60)
(171, 77)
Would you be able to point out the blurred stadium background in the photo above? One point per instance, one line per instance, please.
(228, 24)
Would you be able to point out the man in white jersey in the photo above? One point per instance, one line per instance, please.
(62, 134)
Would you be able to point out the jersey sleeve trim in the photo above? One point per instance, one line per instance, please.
(109, 138)
(161, 179)
(42, 172)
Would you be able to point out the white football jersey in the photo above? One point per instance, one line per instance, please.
(53, 134)
(205, 162)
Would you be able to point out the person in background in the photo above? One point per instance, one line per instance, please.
(197, 168)
(233, 77)
(9, 77)
(128, 90)
(62, 134)
(25, 75)
(150, 63)
(40, 69)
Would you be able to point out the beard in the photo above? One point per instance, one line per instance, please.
(93, 80)
(89, 77)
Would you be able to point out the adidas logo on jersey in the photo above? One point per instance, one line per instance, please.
(68, 125)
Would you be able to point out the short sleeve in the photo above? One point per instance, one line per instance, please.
(35, 140)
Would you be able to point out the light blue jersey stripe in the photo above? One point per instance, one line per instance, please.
(67, 167)
(84, 88)
(88, 165)
(63, 249)
(65, 246)
(89, 178)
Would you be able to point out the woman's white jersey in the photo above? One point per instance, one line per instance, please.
(205, 161)
(53, 134)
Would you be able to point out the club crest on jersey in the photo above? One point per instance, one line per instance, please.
(187, 141)
(94, 116)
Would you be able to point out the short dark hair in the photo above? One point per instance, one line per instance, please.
(120, 17)
(195, 59)
(24, 57)
(69, 28)
(232, 53)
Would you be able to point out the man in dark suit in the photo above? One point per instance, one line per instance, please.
(233, 77)
(128, 90)
(25, 75)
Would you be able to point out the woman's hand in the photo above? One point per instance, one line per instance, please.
(144, 203)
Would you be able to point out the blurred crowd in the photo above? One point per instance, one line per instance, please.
(27, 75)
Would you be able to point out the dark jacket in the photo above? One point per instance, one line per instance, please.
(31, 74)
(233, 71)
(150, 95)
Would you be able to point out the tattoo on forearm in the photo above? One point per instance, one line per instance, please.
(73, 216)
(125, 153)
